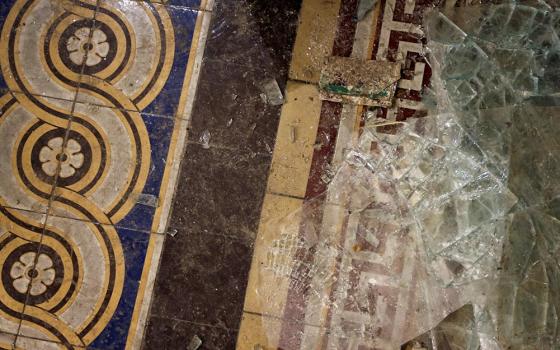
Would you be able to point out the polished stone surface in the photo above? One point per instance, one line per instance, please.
(200, 287)
(164, 333)
(220, 192)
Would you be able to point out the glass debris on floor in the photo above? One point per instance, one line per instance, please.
(364, 7)
(205, 139)
(272, 93)
(457, 213)
(195, 343)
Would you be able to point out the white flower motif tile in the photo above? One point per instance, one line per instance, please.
(95, 101)
(94, 49)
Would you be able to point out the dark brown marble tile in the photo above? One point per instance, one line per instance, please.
(276, 22)
(229, 107)
(220, 192)
(164, 333)
(200, 286)
(255, 33)
(203, 279)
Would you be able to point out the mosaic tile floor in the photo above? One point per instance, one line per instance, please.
(95, 100)
(105, 201)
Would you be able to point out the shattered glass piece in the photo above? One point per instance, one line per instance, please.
(147, 199)
(272, 93)
(195, 343)
(364, 7)
(441, 29)
(441, 232)
(205, 139)
(510, 119)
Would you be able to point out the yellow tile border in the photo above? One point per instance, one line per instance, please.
(262, 332)
(316, 32)
(296, 136)
(264, 289)
(297, 132)
(169, 182)
(258, 332)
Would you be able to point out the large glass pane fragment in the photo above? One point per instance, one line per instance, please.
(459, 210)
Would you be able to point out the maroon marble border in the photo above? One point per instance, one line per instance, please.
(322, 158)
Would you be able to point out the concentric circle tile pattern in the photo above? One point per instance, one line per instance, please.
(95, 100)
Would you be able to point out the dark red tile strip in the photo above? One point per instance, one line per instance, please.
(322, 158)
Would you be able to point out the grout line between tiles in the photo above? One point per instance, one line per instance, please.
(85, 103)
(285, 195)
(76, 346)
(195, 323)
(176, 117)
(202, 9)
(3, 332)
(58, 170)
(170, 232)
(152, 115)
(281, 319)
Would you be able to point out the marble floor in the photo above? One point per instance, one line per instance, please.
(144, 169)
(292, 310)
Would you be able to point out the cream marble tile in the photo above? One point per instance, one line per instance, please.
(315, 38)
(258, 332)
(267, 291)
(296, 136)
